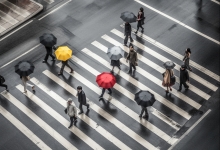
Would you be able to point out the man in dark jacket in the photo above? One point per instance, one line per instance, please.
(184, 76)
(127, 33)
(81, 99)
(49, 53)
(2, 80)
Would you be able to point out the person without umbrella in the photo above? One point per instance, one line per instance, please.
(81, 99)
(2, 80)
(167, 79)
(127, 33)
(186, 59)
(65, 63)
(132, 58)
(140, 18)
(71, 111)
(184, 76)
(49, 53)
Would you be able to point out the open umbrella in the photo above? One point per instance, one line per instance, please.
(24, 68)
(115, 53)
(128, 17)
(48, 39)
(106, 80)
(63, 53)
(169, 65)
(144, 98)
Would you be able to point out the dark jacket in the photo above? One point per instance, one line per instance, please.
(82, 97)
(115, 63)
(127, 29)
(132, 57)
(184, 76)
(49, 50)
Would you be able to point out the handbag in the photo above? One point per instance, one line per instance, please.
(65, 110)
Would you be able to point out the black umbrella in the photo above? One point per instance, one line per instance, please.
(144, 98)
(169, 65)
(128, 17)
(115, 53)
(24, 68)
(48, 39)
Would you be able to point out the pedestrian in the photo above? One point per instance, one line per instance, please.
(115, 63)
(103, 91)
(142, 10)
(144, 109)
(49, 53)
(127, 33)
(71, 111)
(186, 59)
(65, 63)
(81, 99)
(167, 79)
(184, 76)
(140, 18)
(25, 84)
(132, 58)
(2, 80)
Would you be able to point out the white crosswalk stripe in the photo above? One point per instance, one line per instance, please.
(37, 119)
(99, 110)
(164, 59)
(21, 127)
(83, 117)
(61, 119)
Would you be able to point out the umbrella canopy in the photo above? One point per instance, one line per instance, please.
(63, 53)
(144, 98)
(106, 80)
(128, 17)
(24, 68)
(169, 65)
(48, 39)
(115, 53)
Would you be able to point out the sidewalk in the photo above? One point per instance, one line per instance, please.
(15, 12)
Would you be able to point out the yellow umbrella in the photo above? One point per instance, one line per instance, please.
(63, 53)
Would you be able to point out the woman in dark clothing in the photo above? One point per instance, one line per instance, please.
(186, 59)
(115, 63)
(140, 18)
(127, 33)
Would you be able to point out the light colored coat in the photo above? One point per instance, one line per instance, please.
(71, 110)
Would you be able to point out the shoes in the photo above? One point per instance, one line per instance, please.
(132, 41)
(7, 90)
(110, 93)
(25, 92)
(70, 126)
(145, 116)
(140, 116)
(129, 72)
(44, 61)
(125, 45)
(32, 88)
(60, 73)
(187, 88)
(167, 91)
(80, 112)
(71, 71)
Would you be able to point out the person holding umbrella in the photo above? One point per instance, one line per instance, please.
(106, 81)
(132, 58)
(168, 76)
(140, 18)
(127, 33)
(49, 53)
(184, 76)
(64, 53)
(24, 69)
(115, 53)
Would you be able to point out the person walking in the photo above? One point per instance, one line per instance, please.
(142, 10)
(81, 99)
(167, 79)
(25, 84)
(127, 33)
(184, 76)
(65, 63)
(49, 53)
(115, 63)
(186, 59)
(144, 109)
(71, 112)
(103, 91)
(2, 80)
(140, 18)
(132, 58)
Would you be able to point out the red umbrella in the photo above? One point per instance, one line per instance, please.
(106, 80)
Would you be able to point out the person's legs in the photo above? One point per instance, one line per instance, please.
(126, 39)
(103, 91)
(80, 108)
(110, 91)
(32, 86)
(146, 113)
(53, 57)
(46, 57)
(4, 85)
(62, 68)
(185, 85)
(131, 40)
(71, 121)
(142, 111)
(180, 86)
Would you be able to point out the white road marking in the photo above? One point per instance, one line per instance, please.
(2, 28)
(37, 119)
(158, 68)
(131, 96)
(217, 2)
(83, 117)
(99, 110)
(189, 130)
(175, 54)
(140, 86)
(16, 30)
(55, 10)
(8, 18)
(21, 127)
(62, 121)
(163, 59)
(20, 56)
(49, 1)
(177, 21)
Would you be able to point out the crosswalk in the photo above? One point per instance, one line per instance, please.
(101, 127)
